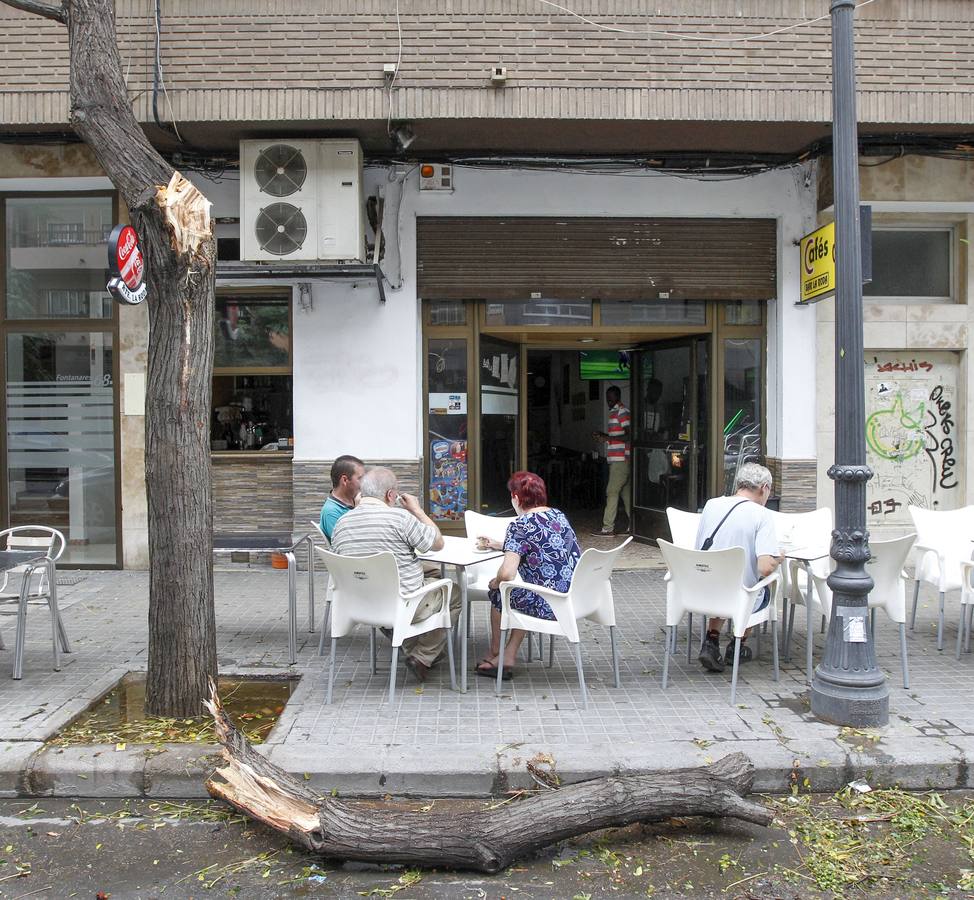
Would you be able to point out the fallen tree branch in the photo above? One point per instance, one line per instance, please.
(486, 840)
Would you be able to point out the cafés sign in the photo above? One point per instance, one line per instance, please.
(126, 266)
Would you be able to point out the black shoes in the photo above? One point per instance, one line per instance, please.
(729, 653)
(710, 657)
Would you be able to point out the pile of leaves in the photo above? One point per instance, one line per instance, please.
(859, 840)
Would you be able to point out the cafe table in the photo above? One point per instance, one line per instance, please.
(32, 560)
(284, 543)
(461, 552)
(804, 556)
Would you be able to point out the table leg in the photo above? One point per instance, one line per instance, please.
(809, 630)
(462, 630)
(311, 584)
(292, 607)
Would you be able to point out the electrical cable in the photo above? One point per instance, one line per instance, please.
(157, 79)
(690, 36)
(395, 72)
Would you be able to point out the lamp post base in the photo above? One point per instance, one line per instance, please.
(841, 700)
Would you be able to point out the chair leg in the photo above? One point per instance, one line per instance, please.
(757, 642)
(324, 625)
(940, 623)
(821, 629)
(737, 662)
(62, 631)
(392, 675)
(372, 665)
(784, 622)
(55, 637)
(615, 655)
(916, 597)
(906, 671)
(331, 668)
(666, 655)
(774, 652)
(970, 618)
(689, 635)
(500, 662)
(449, 653)
(790, 620)
(581, 674)
(961, 625)
(21, 627)
(551, 650)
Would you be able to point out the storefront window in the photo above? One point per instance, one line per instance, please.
(742, 312)
(447, 312)
(61, 440)
(563, 313)
(252, 387)
(655, 312)
(56, 257)
(446, 379)
(742, 406)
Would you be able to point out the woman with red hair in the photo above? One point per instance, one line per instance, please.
(541, 547)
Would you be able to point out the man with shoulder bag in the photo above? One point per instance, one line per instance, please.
(740, 520)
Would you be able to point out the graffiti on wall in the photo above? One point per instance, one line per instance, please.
(912, 440)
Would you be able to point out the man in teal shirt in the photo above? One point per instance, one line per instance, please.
(346, 473)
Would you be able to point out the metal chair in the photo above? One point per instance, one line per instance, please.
(589, 597)
(944, 544)
(49, 543)
(711, 582)
(367, 592)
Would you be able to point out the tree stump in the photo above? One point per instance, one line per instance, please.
(485, 840)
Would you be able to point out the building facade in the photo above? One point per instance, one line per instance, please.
(557, 201)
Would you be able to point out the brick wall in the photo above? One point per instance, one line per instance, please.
(246, 60)
(795, 482)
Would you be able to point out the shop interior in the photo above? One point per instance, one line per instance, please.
(565, 404)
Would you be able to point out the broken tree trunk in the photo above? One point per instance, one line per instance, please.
(487, 840)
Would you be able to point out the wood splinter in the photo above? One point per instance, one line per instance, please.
(487, 840)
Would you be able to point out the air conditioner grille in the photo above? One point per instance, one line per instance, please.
(280, 170)
(280, 229)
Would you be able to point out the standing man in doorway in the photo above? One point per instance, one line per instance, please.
(346, 473)
(617, 452)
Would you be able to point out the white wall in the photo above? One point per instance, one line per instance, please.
(357, 375)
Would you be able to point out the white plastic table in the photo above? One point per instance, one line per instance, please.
(461, 552)
(804, 556)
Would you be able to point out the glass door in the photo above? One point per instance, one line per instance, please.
(499, 376)
(670, 421)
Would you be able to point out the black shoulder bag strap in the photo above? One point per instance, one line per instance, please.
(707, 544)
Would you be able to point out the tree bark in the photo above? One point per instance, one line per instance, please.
(172, 219)
(487, 840)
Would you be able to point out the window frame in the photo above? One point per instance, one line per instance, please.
(950, 229)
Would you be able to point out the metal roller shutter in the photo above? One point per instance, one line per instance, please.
(468, 258)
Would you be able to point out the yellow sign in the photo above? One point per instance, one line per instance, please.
(818, 263)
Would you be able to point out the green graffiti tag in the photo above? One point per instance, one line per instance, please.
(896, 433)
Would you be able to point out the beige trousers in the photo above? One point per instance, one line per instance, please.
(427, 647)
(618, 484)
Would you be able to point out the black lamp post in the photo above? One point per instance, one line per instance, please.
(848, 688)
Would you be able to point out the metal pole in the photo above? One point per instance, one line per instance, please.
(848, 688)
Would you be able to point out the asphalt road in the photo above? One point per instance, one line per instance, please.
(183, 849)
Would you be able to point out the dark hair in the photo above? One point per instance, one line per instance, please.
(344, 465)
(530, 489)
(613, 391)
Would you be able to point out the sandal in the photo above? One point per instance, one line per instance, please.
(491, 672)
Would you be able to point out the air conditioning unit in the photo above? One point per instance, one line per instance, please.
(301, 201)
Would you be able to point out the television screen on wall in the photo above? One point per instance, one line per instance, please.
(603, 365)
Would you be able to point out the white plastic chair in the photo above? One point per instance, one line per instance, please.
(588, 597)
(807, 529)
(326, 613)
(40, 588)
(885, 567)
(966, 604)
(683, 533)
(944, 543)
(711, 583)
(367, 592)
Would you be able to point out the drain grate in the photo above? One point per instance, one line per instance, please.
(68, 580)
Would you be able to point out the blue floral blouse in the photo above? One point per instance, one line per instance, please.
(549, 552)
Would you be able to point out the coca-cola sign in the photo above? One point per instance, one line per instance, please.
(126, 266)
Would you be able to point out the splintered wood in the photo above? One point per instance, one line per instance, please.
(187, 211)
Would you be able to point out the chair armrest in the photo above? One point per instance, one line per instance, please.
(420, 593)
(548, 593)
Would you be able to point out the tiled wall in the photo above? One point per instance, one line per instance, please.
(794, 483)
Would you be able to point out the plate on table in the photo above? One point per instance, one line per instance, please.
(488, 550)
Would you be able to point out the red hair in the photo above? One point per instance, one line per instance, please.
(530, 489)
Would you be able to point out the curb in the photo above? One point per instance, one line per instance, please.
(30, 769)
